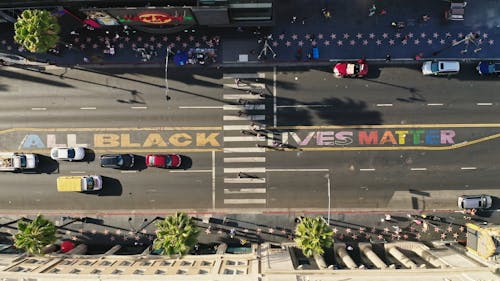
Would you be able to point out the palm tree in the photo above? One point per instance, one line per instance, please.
(33, 236)
(312, 235)
(175, 235)
(37, 30)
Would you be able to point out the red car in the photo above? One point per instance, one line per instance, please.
(163, 160)
(351, 69)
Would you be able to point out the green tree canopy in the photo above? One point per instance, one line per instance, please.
(175, 235)
(37, 30)
(312, 235)
(33, 236)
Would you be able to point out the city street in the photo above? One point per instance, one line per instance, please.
(394, 140)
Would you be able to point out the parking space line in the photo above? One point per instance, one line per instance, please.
(384, 104)
(243, 118)
(367, 170)
(243, 96)
(139, 107)
(243, 149)
(484, 103)
(297, 170)
(88, 108)
(244, 159)
(418, 169)
(468, 168)
(244, 75)
(38, 108)
(244, 190)
(244, 107)
(244, 201)
(128, 171)
(244, 170)
(200, 107)
(77, 172)
(245, 180)
(435, 104)
(190, 171)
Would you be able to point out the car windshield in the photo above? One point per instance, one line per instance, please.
(71, 153)
(434, 67)
(23, 161)
(90, 183)
(119, 160)
(168, 160)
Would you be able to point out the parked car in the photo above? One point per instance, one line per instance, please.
(351, 69)
(117, 161)
(67, 153)
(163, 160)
(474, 201)
(488, 68)
(456, 10)
(440, 67)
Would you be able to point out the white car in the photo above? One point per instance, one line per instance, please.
(440, 67)
(67, 153)
(474, 201)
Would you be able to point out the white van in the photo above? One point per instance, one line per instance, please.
(440, 67)
(474, 201)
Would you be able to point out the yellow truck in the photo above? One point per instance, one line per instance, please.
(79, 183)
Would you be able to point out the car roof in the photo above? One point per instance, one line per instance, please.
(449, 65)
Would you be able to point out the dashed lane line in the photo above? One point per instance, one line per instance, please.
(243, 149)
(190, 171)
(484, 103)
(244, 75)
(244, 159)
(244, 201)
(384, 104)
(244, 170)
(468, 168)
(88, 108)
(39, 108)
(244, 190)
(297, 170)
(243, 97)
(418, 169)
(244, 107)
(244, 118)
(435, 104)
(245, 180)
(200, 107)
(139, 107)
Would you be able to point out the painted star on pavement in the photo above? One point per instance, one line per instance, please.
(139, 39)
(418, 236)
(106, 232)
(460, 35)
(207, 231)
(95, 46)
(246, 230)
(423, 35)
(281, 36)
(361, 229)
(320, 36)
(125, 238)
(368, 236)
(462, 229)
(144, 231)
(448, 34)
(385, 35)
(314, 42)
(410, 35)
(271, 230)
(437, 229)
(112, 238)
(146, 45)
(435, 35)
(76, 40)
(485, 35)
(405, 236)
(121, 46)
(295, 37)
(372, 35)
(335, 230)
(118, 232)
(333, 36)
(191, 38)
(197, 44)
(94, 231)
(348, 230)
(340, 43)
(491, 42)
(386, 230)
(412, 229)
(346, 36)
(301, 43)
(416, 42)
(178, 38)
(307, 36)
(454, 42)
(373, 230)
(82, 46)
(184, 45)
(275, 44)
(341, 237)
(397, 35)
(359, 35)
(380, 237)
(449, 229)
(152, 39)
(442, 41)
(378, 42)
(130, 233)
(137, 238)
(455, 235)
(259, 230)
(327, 43)
(151, 238)
(288, 43)
(159, 45)
(425, 230)
(391, 42)
(352, 42)
(365, 42)
(443, 236)
(68, 232)
(429, 41)
(355, 237)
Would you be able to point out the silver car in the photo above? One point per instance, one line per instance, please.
(67, 153)
(474, 201)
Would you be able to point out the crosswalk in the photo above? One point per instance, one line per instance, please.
(244, 119)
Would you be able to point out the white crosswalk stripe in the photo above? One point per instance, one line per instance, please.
(244, 125)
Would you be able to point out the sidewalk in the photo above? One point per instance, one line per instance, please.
(349, 34)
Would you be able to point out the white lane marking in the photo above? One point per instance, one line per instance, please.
(304, 105)
(244, 75)
(468, 168)
(128, 171)
(244, 170)
(367, 170)
(296, 170)
(435, 104)
(245, 86)
(200, 107)
(213, 180)
(275, 93)
(250, 138)
(88, 108)
(244, 180)
(384, 104)
(243, 149)
(190, 171)
(243, 97)
(241, 127)
(77, 172)
(244, 190)
(244, 117)
(418, 169)
(484, 103)
(38, 108)
(244, 107)
(244, 159)
(139, 107)
(244, 201)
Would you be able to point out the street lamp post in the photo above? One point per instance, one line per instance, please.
(166, 73)
(329, 196)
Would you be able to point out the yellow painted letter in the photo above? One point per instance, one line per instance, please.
(154, 139)
(180, 139)
(202, 139)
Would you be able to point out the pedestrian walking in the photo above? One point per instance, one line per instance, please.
(74, 32)
(232, 232)
(388, 58)
(294, 19)
(237, 81)
(372, 10)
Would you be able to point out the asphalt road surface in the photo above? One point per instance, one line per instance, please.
(276, 139)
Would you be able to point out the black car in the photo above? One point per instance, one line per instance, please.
(119, 161)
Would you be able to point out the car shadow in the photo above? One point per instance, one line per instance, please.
(89, 155)
(139, 163)
(46, 165)
(186, 162)
(110, 187)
